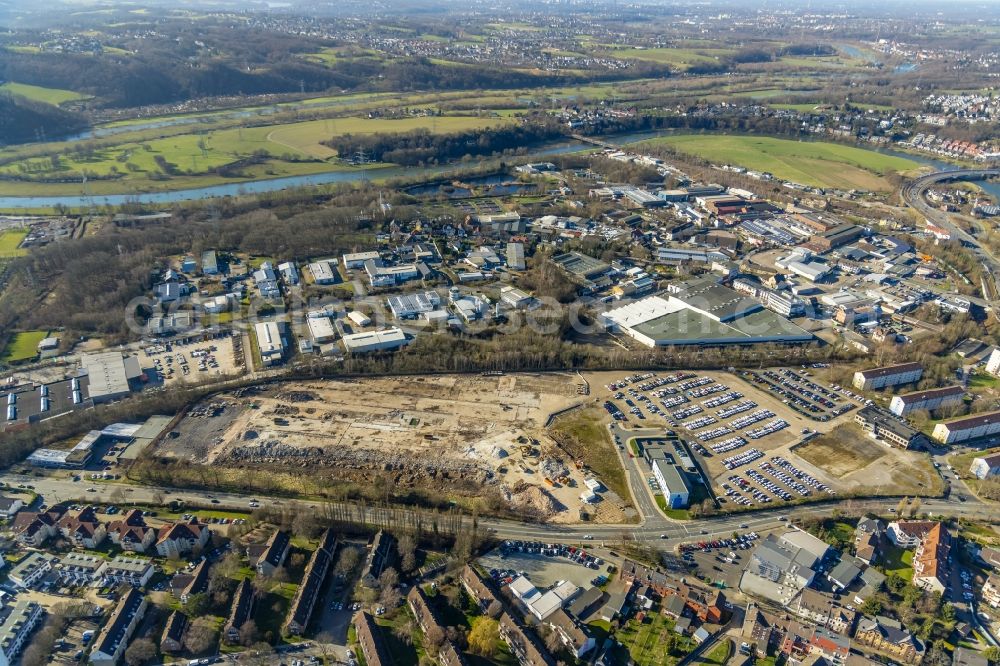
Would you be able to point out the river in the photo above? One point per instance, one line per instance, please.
(357, 175)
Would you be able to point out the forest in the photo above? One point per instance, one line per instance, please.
(422, 147)
(22, 120)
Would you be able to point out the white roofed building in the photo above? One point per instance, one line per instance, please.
(270, 342)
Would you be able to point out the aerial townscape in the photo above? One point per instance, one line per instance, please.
(531, 333)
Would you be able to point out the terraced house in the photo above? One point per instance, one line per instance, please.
(114, 637)
(306, 595)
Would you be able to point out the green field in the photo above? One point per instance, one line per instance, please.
(814, 163)
(9, 241)
(53, 96)
(899, 562)
(294, 149)
(23, 346)
(670, 56)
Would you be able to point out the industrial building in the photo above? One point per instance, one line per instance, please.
(902, 405)
(702, 312)
(680, 255)
(410, 306)
(380, 275)
(321, 328)
(289, 273)
(270, 342)
(110, 374)
(592, 274)
(358, 259)
(514, 298)
(359, 343)
(359, 318)
(966, 428)
(515, 256)
(323, 272)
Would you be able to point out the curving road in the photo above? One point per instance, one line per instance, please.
(912, 192)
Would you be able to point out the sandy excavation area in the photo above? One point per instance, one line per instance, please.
(470, 435)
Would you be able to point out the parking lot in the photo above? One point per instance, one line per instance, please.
(721, 560)
(741, 427)
(544, 565)
(194, 362)
(801, 393)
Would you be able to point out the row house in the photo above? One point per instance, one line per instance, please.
(123, 570)
(79, 568)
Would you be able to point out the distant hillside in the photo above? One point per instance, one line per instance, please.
(23, 120)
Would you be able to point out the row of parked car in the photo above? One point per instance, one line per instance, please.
(572, 553)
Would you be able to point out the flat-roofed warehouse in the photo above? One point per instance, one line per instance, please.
(966, 428)
(702, 313)
(359, 343)
(321, 328)
(893, 375)
(110, 374)
(270, 342)
(591, 273)
(902, 405)
(323, 272)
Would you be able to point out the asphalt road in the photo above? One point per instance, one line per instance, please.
(652, 526)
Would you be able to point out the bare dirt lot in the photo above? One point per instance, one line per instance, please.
(470, 435)
(858, 463)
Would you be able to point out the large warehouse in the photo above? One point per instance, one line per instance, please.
(270, 342)
(702, 312)
(359, 343)
(110, 374)
(966, 428)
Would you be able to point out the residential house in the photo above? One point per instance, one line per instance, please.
(124, 570)
(370, 640)
(845, 573)
(32, 568)
(173, 633)
(270, 555)
(34, 529)
(79, 568)
(573, 634)
(10, 506)
(304, 601)
(243, 603)
(869, 540)
(184, 586)
(908, 533)
(110, 644)
(430, 624)
(181, 538)
(477, 588)
(828, 645)
(985, 467)
(526, 648)
(16, 628)
(823, 610)
(887, 635)
(82, 528)
(381, 553)
(930, 560)
(131, 533)
(991, 591)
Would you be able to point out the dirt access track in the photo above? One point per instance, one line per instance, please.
(468, 435)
